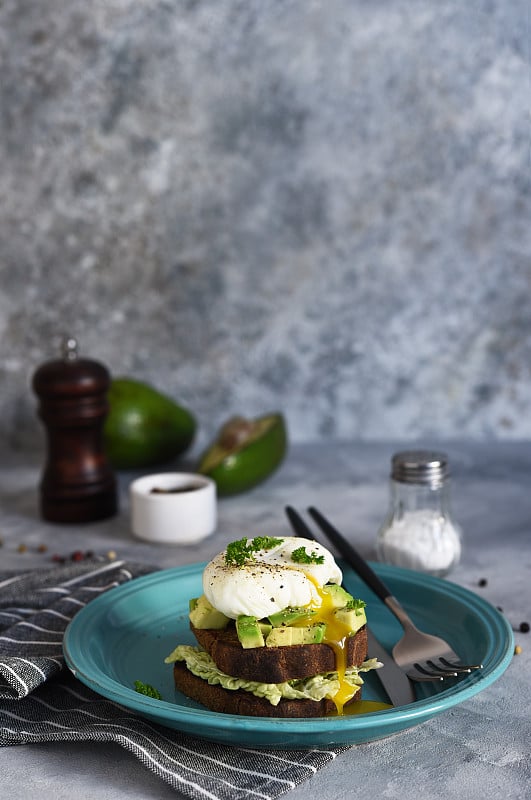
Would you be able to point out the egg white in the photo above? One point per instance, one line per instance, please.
(270, 582)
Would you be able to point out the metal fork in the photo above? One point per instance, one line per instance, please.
(423, 657)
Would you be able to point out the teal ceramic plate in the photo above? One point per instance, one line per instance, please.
(125, 634)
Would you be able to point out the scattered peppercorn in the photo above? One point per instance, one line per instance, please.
(42, 548)
(524, 627)
(22, 548)
(78, 555)
(111, 555)
(482, 582)
(517, 650)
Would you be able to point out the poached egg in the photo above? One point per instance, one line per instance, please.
(271, 581)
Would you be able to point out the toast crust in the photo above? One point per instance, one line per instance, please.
(276, 664)
(238, 701)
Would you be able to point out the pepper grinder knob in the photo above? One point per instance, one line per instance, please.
(77, 483)
(69, 348)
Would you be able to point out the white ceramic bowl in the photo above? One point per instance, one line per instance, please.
(173, 507)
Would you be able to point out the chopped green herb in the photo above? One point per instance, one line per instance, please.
(356, 605)
(243, 550)
(149, 691)
(237, 552)
(300, 556)
(265, 542)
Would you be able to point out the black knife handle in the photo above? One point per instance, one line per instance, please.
(351, 555)
(298, 524)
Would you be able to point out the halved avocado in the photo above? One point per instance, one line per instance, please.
(245, 453)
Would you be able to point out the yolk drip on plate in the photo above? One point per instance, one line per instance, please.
(335, 637)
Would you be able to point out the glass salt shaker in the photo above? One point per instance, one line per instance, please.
(419, 532)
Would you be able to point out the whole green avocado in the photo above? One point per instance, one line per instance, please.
(144, 427)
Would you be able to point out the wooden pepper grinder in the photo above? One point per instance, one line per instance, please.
(77, 483)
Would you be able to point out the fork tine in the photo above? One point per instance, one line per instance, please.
(437, 666)
(438, 669)
(459, 666)
(424, 677)
(429, 669)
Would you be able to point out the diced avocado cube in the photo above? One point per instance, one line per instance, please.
(249, 632)
(192, 603)
(284, 636)
(290, 615)
(204, 615)
(265, 627)
(339, 596)
(353, 619)
(316, 633)
(287, 635)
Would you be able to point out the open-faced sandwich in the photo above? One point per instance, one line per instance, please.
(278, 636)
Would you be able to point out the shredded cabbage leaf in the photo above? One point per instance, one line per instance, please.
(315, 688)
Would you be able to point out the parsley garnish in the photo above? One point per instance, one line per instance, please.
(149, 691)
(265, 542)
(243, 550)
(356, 605)
(237, 552)
(300, 556)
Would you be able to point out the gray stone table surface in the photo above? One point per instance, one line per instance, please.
(478, 749)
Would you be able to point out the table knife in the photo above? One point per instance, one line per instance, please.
(394, 680)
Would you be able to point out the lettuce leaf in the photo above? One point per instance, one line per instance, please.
(315, 688)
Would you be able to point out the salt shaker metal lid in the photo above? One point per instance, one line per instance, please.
(423, 467)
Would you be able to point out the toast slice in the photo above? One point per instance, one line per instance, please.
(276, 664)
(239, 701)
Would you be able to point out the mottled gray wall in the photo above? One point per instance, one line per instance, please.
(318, 206)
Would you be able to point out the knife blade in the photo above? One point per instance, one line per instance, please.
(394, 680)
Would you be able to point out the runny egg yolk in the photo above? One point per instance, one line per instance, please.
(336, 636)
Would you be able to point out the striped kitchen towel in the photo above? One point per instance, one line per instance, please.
(41, 701)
